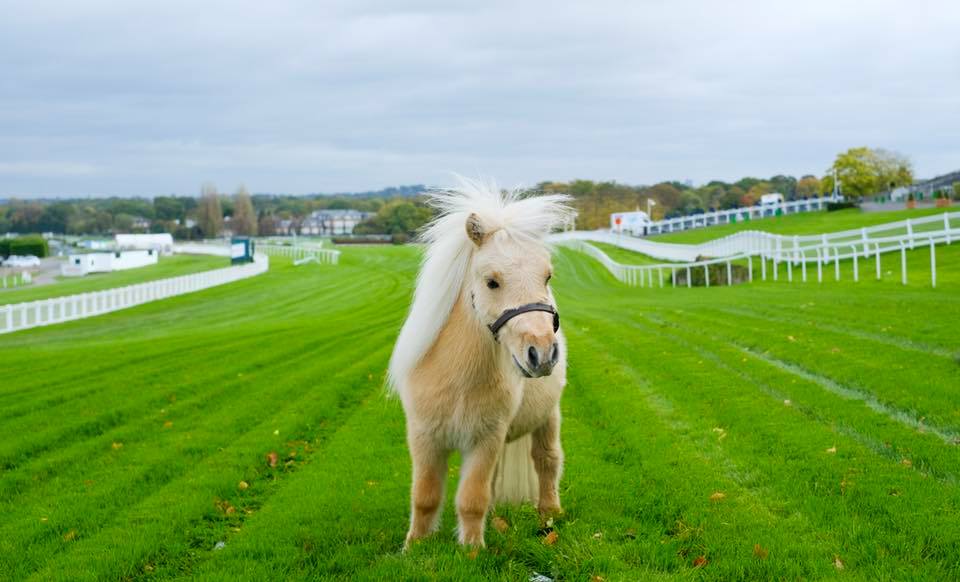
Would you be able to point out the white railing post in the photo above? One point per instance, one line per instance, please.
(877, 249)
(856, 273)
(933, 264)
(910, 233)
(903, 263)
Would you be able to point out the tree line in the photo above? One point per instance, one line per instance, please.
(401, 211)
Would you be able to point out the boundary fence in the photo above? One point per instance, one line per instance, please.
(754, 242)
(733, 215)
(811, 257)
(19, 316)
(299, 252)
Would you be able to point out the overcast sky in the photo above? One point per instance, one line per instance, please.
(145, 98)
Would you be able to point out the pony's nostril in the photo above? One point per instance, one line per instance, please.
(554, 353)
(534, 357)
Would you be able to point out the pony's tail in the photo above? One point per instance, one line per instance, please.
(516, 480)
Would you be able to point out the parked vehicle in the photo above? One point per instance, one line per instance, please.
(21, 261)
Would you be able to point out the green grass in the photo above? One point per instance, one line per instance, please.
(626, 256)
(803, 223)
(826, 415)
(172, 266)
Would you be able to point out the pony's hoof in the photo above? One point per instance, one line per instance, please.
(549, 512)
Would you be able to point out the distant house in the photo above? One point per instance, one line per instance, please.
(162, 243)
(332, 222)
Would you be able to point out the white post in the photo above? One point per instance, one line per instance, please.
(910, 233)
(729, 274)
(763, 267)
(706, 275)
(836, 263)
(803, 268)
(933, 264)
(903, 263)
(776, 266)
(877, 254)
(660, 273)
(750, 269)
(689, 279)
(946, 225)
(856, 273)
(819, 266)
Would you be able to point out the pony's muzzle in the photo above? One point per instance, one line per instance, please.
(540, 361)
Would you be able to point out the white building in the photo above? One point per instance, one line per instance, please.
(634, 223)
(332, 222)
(82, 264)
(158, 242)
(771, 199)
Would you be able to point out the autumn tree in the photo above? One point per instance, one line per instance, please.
(244, 220)
(209, 213)
(863, 171)
(808, 186)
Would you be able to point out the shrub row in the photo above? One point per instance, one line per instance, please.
(24, 245)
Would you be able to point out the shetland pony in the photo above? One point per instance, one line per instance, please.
(480, 363)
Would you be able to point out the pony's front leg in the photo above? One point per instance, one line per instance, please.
(474, 493)
(429, 477)
(548, 461)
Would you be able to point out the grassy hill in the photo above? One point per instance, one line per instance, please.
(804, 223)
(767, 431)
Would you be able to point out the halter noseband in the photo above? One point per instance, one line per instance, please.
(511, 313)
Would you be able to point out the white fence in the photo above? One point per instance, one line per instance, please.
(737, 215)
(9, 280)
(809, 258)
(301, 252)
(753, 242)
(20, 316)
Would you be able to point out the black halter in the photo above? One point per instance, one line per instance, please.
(511, 313)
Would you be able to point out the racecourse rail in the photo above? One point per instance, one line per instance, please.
(813, 251)
(731, 216)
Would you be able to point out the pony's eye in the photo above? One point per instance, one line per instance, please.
(550, 276)
(492, 284)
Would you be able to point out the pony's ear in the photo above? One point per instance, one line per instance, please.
(475, 230)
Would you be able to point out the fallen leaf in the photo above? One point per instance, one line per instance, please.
(791, 338)
(230, 510)
(551, 538)
(596, 578)
(70, 535)
(787, 403)
(760, 551)
(243, 485)
(168, 424)
(472, 554)
(117, 446)
(598, 535)
(700, 562)
(500, 524)
(272, 458)
(631, 533)
(718, 496)
(838, 563)
(906, 463)
(832, 450)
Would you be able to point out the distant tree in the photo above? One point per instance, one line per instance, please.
(209, 213)
(808, 186)
(863, 171)
(756, 192)
(244, 218)
(266, 224)
(956, 191)
(123, 223)
(168, 208)
(396, 217)
(666, 195)
(786, 185)
(731, 198)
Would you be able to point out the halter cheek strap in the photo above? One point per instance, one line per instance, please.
(511, 313)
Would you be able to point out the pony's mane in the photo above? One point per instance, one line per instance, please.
(449, 250)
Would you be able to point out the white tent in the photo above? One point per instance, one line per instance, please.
(158, 242)
(81, 264)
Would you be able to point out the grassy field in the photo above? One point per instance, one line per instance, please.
(804, 223)
(173, 266)
(771, 431)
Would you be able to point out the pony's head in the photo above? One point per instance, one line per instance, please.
(508, 283)
(486, 246)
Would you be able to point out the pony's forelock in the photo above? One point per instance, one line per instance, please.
(449, 249)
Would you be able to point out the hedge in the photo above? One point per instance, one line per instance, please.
(25, 245)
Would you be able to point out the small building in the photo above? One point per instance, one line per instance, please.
(163, 243)
(635, 223)
(771, 199)
(82, 264)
